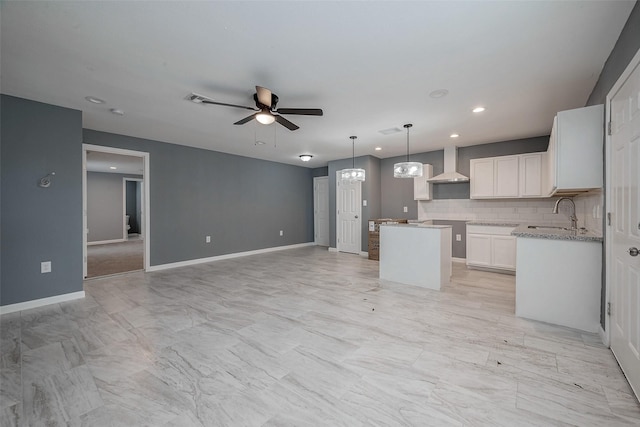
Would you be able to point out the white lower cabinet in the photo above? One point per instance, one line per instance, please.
(491, 247)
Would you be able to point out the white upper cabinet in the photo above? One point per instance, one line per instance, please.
(481, 178)
(499, 177)
(575, 153)
(506, 176)
(531, 175)
(423, 190)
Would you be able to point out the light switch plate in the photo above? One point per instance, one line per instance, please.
(364, 203)
(45, 267)
(458, 238)
(207, 239)
(405, 209)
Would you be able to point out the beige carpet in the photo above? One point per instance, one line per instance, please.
(113, 258)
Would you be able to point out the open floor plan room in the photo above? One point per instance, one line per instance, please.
(302, 337)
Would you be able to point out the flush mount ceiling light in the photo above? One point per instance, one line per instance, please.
(117, 112)
(439, 93)
(478, 109)
(113, 168)
(354, 174)
(407, 169)
(265, 117)
(454, 135)
(378, 148)
(305, 157)
(94, 100)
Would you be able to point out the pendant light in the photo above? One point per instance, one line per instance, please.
(407, 169)
(354, 174)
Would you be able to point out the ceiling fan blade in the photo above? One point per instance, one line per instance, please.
(246, 119)
(264, 96)
(300, 111)
(286, 123)
(206, 101)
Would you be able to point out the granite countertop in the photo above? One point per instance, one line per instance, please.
(415, 225)
(556, 234)
(493, 223)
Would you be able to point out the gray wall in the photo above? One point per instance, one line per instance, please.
(317, 172)
(104, 205)
(195, 193)
(624, 50)
(370, 193)
(398, 192)
(40, 224)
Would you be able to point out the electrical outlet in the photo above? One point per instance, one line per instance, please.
(405, 209)
(207, 239)
(281, 233)
(458, 237)
(45, 267)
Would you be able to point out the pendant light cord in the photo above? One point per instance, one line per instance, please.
(407, 126)
(353, 151)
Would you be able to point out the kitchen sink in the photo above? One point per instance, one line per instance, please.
(548, 227)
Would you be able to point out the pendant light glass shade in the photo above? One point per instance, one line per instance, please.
(407, 169)
(354, 174)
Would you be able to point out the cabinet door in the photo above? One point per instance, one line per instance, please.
(481, 178)
(506, 176)
(422, 189)
(552, 164)
(479, 249)
(503, 252)
(531, 175)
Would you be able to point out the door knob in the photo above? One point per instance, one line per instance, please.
(633, 251)
(357, 218)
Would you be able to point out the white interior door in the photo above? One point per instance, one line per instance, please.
(623, 264)
(349, 213)
(321, 210)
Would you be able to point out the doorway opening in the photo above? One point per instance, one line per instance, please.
(115, 188)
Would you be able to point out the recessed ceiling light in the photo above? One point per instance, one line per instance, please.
(454, 135)
(478, 109)
(260, 142)
(305, 157)
(94, 100)
(113, 167)
(117, 112)
(439, 93)
(378, 148)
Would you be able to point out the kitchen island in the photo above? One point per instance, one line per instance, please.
(416, 254)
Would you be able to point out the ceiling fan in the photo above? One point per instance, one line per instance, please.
(265, 108)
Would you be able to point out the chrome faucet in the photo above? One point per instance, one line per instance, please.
(572, 217)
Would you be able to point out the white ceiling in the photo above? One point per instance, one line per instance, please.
(369, 65)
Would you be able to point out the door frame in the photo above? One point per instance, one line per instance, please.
(146, 179)
(125, 234)
(338, 180)
(608, 237)
(316, 180)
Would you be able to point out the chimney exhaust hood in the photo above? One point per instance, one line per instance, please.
(450, 165)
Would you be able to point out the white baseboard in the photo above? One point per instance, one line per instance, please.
(604, 336)
(364, 254)
(333, 249)
(462, 260)
(104, 242)
(27, 305)
(226, 256)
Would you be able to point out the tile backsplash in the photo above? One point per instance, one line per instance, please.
(538, 211)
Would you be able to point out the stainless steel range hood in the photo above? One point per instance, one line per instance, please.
(450, 165)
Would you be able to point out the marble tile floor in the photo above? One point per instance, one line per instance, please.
(301, 337)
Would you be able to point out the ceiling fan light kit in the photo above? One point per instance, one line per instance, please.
(407, 169)
(265, 108)
(353, 174)
(305, 157)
